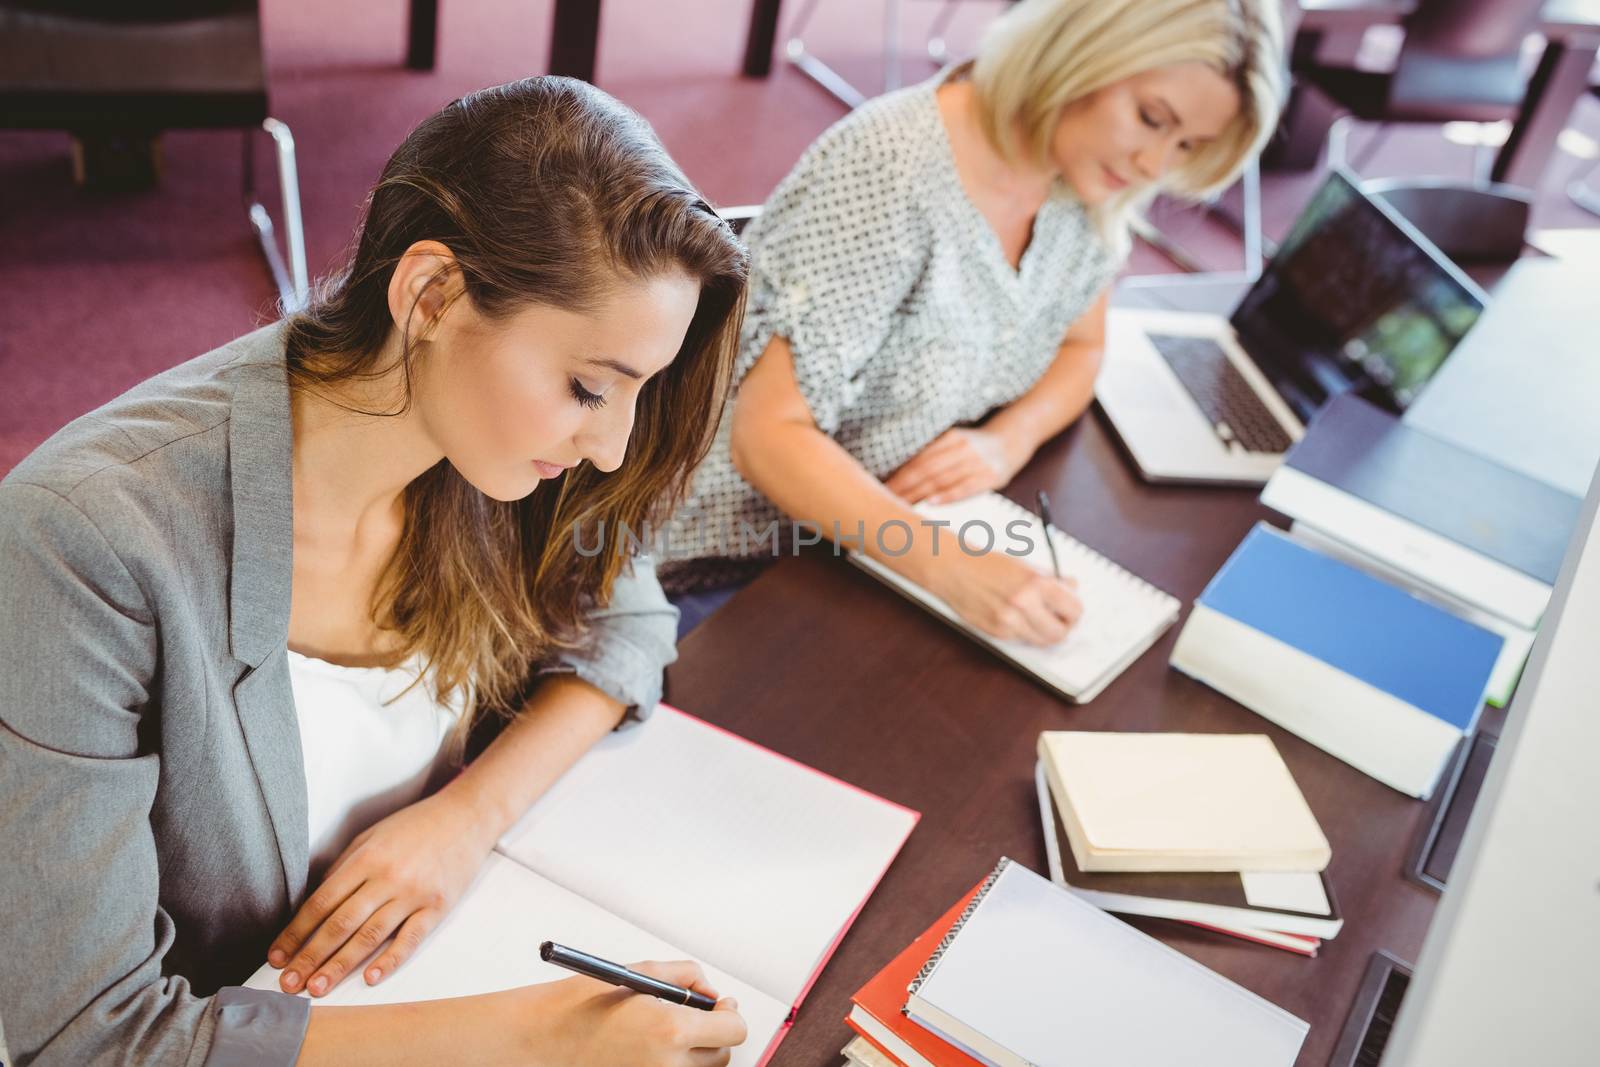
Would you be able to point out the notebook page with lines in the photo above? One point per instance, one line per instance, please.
(1123, 615)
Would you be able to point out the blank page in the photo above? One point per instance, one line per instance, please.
(741, 856)
(1191, 793)
(490, 941)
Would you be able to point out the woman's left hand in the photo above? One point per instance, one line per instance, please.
(959, 463)
(396, 880)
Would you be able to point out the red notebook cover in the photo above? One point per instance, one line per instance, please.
(1299, 945)
(884, 996)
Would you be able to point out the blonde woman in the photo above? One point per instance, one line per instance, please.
(246, 607)
(928, 287)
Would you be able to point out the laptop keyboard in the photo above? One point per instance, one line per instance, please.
(1233, 408)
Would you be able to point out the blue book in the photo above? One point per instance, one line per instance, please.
(1385, 681)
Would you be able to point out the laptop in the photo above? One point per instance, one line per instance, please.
(1354, 300)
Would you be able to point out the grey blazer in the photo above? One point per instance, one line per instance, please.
(153, 834)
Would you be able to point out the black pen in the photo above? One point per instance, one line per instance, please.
(1050, 542)
(617, 974)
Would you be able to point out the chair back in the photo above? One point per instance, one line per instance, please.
(87, 65)
(739, 217)
(1471, 29)
(145, 11)
(1461, 60)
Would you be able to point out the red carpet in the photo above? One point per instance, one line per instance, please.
(100, 291)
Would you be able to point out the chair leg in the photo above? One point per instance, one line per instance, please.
(1581, 193)
(1370, 149)
(831, 80)
(938, 47)
(1255, 240)
(291, 279)
(1247, 226)
(1339, 142)
(891, 45)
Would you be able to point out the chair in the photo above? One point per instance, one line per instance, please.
(101, 69)
(796, 52)
(739, 217)
(831, 80)
(1580, 192)
(1460, 62)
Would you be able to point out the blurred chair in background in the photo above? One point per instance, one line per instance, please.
(1460, 62)
(115, 74)
(1582, 193)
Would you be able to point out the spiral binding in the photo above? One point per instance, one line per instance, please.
(1083, 551)
(966, 913)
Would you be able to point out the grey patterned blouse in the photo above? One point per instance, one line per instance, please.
(901, 310)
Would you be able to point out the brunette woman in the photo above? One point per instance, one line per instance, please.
(249, 609)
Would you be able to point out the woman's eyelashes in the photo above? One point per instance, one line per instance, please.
(1155, 122)
(584, 396)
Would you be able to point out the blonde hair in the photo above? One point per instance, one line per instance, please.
(1045, 54)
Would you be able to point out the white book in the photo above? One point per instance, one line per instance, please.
(1293, 913)
(1031, 975)
(1448, 517)
(1123, 615)
(1430, 558)
(1381, 679)
(862, 1053)
(907, 1056)
(670, 840)
(1180, 802)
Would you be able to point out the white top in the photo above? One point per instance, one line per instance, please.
(902, 313)
(372, 743)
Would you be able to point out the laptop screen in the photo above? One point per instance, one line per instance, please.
(1354, 299)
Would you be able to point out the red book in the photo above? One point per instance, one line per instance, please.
(876, 1013)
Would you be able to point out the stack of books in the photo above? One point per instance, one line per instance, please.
(1205, 829)
(1023, 972)
(1454, 528)
(1405, 596)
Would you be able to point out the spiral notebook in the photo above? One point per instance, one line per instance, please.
(1123, 615)
(1031, 975)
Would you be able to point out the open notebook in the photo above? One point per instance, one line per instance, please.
(670, 840)
(1122, 613)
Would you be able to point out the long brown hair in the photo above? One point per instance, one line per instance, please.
(545, 190)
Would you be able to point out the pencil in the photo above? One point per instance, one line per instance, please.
(1050, 542)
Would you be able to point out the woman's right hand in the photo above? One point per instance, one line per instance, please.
(581, 1020)
(1005, 598)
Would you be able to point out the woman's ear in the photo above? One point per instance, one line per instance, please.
(424, 284)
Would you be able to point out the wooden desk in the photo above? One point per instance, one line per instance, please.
(819, 662)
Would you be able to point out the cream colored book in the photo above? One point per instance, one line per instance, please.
(1123, 615)
(1180, 802)
(670, 840)
(862, 1053)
